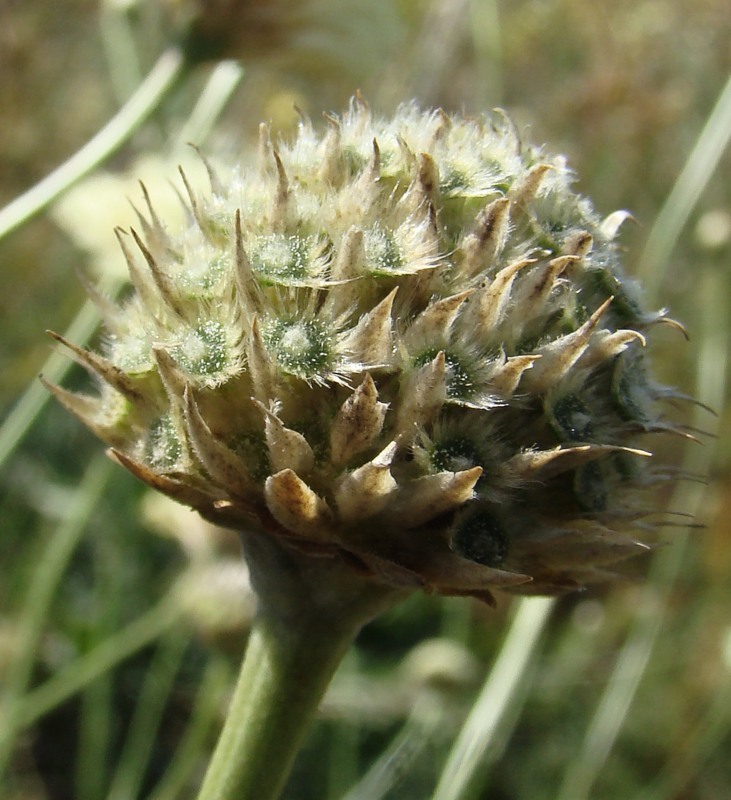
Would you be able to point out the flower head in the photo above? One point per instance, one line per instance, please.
(406, 344)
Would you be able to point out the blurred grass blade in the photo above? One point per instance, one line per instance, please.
(163, 78)
(606, 724)
(98, 724)
(43, 584)
(153, 697)
(425, 720)
(344, 741)
(692, 181)
(191, 750)
(120, 49)
(463, 767)
(81, 672)
(213, 99)
(97, 719)
(629, 669)
(708, 735)
(486, 33)
(35, 397)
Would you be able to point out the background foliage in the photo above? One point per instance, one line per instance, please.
(114, 673)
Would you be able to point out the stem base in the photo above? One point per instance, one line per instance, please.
(310, 611)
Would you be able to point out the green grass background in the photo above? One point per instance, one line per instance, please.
(110, 689)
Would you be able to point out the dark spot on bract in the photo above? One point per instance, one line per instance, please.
(590, 487)
(571, 419)
(481, 538)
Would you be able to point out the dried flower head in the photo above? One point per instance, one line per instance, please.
(405, 344)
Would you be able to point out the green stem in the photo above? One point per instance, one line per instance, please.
(310, 610)
(163, 78)
(283, 677)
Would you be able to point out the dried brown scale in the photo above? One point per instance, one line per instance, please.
(405, 344)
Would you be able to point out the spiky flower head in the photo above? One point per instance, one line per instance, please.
(404, 344)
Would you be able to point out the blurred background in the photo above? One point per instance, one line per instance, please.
(122, 618)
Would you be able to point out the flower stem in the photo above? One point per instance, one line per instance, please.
(310, 610)
(283, 677)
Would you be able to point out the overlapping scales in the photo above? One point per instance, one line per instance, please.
(404, 343)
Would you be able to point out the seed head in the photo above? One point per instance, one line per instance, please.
(406, 344)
